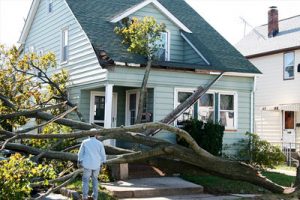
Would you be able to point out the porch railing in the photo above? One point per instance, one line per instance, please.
(289, 150)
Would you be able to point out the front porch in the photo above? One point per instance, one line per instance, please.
(113, 106)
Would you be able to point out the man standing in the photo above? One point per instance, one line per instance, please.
(91, 156)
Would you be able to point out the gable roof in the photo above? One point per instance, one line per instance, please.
(159, 6)
(95, 18)
(258, 43)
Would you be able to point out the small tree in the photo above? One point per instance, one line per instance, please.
(260, 153)
(141, 37)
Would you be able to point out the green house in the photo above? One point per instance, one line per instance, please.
(105, 78)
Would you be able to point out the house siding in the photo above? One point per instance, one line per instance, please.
(164, 83)
(46, 35)
(189, 54)
(176, 41)
(272, 90)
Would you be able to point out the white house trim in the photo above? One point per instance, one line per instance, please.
(195, 49)
(169, 45)
(33, 9)
(108, 105)
(158, 6)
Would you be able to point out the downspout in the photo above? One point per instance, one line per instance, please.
(252, 124)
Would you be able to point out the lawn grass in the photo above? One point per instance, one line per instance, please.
(218, 185)
(281, 179)
(102, 195)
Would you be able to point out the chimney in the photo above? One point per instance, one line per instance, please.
(273, 28)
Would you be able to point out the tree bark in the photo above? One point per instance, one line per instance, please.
(143, 92)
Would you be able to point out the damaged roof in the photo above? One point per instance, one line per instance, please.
(95, 17)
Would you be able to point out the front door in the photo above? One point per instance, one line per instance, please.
(289, 132)
(97, 111)
(132, 100)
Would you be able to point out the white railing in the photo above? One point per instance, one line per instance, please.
(288, 149)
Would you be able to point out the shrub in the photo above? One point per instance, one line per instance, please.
(208, 135)
(16, 174)
(260, 153)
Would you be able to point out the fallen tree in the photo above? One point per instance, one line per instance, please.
(22, 101)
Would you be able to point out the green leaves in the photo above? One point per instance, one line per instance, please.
(26, 82)
(260, 153)
(141, 35)
(16, 174)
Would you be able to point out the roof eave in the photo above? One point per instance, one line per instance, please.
(29, 20)
(271, 52)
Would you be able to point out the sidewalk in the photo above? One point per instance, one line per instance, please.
(188, 197)
(286, 172)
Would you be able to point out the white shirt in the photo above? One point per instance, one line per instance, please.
(91, 153)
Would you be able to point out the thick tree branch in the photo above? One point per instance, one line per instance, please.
(7, 102)
(60, 179)
(172, 116)
(143, 92)
(60, 116)
(137, 156)
(65, 156)
(27, 113)
(115, 133)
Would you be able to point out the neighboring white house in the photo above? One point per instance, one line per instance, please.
(274, 48)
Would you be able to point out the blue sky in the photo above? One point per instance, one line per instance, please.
(223, 15)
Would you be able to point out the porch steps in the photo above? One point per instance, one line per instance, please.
(152, 187)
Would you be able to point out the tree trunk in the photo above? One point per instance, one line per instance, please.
(143, 92)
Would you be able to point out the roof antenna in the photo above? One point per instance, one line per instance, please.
(254, 30)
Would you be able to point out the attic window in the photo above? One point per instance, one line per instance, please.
(50, 6)
(163, 51)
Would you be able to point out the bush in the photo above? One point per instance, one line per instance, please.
(260, 153)
(17, 173)
(208, 135)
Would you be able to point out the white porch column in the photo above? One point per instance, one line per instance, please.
(108, 110)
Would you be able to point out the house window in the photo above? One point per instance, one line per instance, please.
(189, 113)
(50, 6)
(163, 47)
(228, 114)
(288, 66)
(65, 45)
(206, 107)
(31, 49)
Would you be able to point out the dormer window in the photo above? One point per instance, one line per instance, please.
(50, 6)
(163, 50)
